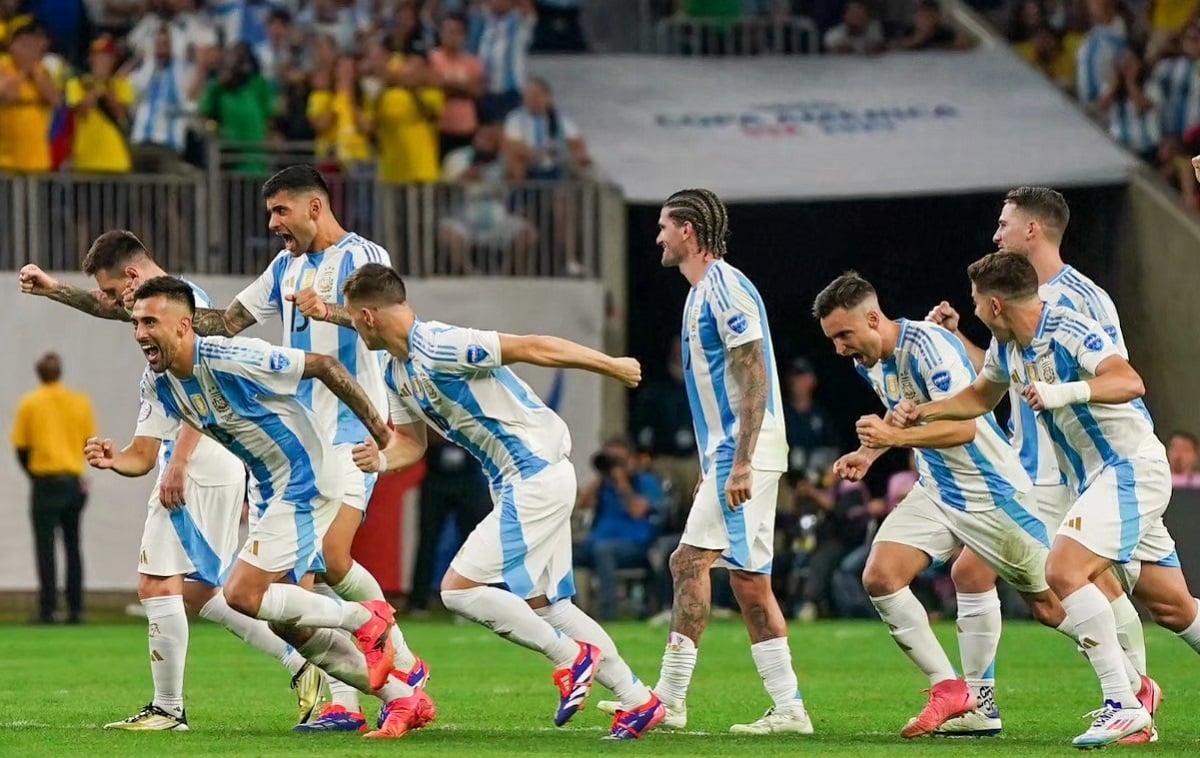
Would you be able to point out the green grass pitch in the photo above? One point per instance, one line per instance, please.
(58, 685)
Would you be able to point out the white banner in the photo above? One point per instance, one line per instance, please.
(101, 359)
(807, 128)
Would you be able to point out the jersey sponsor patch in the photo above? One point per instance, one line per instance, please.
(278, 361)
(1093, 342)
(1111, 331)
(941, 380)
(738, 323)
(476, 354)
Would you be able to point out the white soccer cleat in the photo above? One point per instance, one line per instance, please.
(976, 723)
(676, 718)
(152, 719)
(1111, 724)
(789, 718)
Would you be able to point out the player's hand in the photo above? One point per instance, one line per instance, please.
(906, 414)
(1033, 395)
(170, 491)
(737, 487)
(368, 457)
(99, 453)
(875, 433)
(1196, 166)
(135, 281)
(309, 304)
(944, 316)
(852, 466)
(627, 371)
(34, 281)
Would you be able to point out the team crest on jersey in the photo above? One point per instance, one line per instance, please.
(941, 380)
(907, 389)
(278, 361)
(1046, 369)
(737, 323)
(144, 411)
(1093, 342)
(220, 405)
(476, 354)
(326, 280)
(199, 404)
(891, 387)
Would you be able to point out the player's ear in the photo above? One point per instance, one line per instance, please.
(130, 272)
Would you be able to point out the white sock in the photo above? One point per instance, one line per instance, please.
(909, 624)
(511, 617)
(253, 632)
(612, 671)
(340, 693)
(394, 689)
(774, 661)
(1191, 635)
(168, 633)
(359, 585)
(978, 639)
(678, 663)
(334, 651)
(1093, 618)
(296, 605)
(1129, 633)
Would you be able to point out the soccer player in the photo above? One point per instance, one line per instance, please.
(1032, 222)
(1069, 370)
(191, 530)
(243, 393)
(970, 491)
(458, 380)
(737, 413)
(317, 258)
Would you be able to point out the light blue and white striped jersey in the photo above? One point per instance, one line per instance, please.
(453, 379)
(325, 272)
(930, 363)
(160, 117)
(1068, 289)
(210, 464)
(1096, 59)
(1177, 82)
(504, 50)
(1067, 347)
(724, 311)
(243, 394)
(1137, 129)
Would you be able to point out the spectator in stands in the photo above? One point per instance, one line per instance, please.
(1174, 80)
(539, 142)
(858, 34)
(405, 122)
(504, 40)
(414, 23)
(1168, 19)
(239, 101)
(28, 97)
(159, 132)
(841, 526)
(1048, 52)
(12, 17)
(929, 31)
(1097, 57)
(101, 101)
(52, 425)
(193, 39)
(460, 75)
(812, 438)
(1183, 452)
(338, 113)
(1134, 116)
(341, 21)
(625, 501)
(279, 50)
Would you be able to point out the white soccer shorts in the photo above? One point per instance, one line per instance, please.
(1010, 540)
(746, 536)
(287, 539)
(525, 542)
(358, 486)
(198, 540)
(1050, 503)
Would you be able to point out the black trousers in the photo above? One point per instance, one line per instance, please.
(56, 506)
(465, 498)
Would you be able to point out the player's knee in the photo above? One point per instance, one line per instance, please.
(972, 576)
(243, 598)
(879, 582)
(153, 586)
(1063, 577)
(683, 564)
(1175, 614)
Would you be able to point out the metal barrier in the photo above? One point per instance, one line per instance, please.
(745, 36)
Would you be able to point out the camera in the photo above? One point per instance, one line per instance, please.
(603, 463)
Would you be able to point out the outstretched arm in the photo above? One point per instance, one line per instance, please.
(34, 281)
(226, 323)
(330, 372)
(973, 402)
(944, 315)
(137, 459)
(556, 352)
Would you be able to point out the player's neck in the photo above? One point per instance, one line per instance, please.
(328, 234)
(694, 267)
(1024, 322)
(1047, 262)
(183, 365)
(890, 332)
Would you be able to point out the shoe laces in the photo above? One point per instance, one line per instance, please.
(150, 709)
(299, 675)
(1102, 716)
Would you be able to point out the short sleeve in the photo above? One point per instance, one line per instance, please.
(995, 369)
(734, 309)
(457, 349)
(21, 437)
(75, 92)
(943, 370)
(277, 369)
(399, 411)
(1090, 346)
(262, 297)
(123, 91)
(152, 420)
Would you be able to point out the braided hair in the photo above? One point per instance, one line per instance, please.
(706, 213)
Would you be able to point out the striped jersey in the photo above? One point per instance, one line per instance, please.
(325, 272)
(1068, 289)
(1096, 59)
(929, 364)
(504, 50)
(453, 379)
(1068, 347)
(724, 311)
(210, 464)
(244, 394)
(1178, 92)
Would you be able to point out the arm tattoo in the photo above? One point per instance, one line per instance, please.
(335, 376)
(94, 303)
(750, 373)
(226, 323)
(340, 315)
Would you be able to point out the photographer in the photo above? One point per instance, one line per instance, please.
(625, 502)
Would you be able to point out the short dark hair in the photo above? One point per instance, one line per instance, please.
(706, 213)
(847, 291)
(169, 287)
(48, 368)
(375, 282)
(112, 250)
(1008, 275)
(1048, 206)
(1187, 436)
(299, 178)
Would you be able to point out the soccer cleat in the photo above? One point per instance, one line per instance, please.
(375, 642)
(1112, 723)
(973, 723)
(1150, 695)
(416, 677)
(152, 719)
(629, 725)
(404, 715)
(675, 718)
(575, 683)
(308, 683)
(947, 699)
(334, 718)
(777, 720)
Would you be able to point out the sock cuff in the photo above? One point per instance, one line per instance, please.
(901, 595)
(210, 609)
(350, 580)
(1085, 603)
(977, 603)
(779, 644)
(1193, 628)
(680, 641)
(166, 605)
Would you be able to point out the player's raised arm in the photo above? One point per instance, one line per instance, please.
(330, 372)
(226, 323)
(138, 458)
(971, 403)
(34, 281)
(1115, 382)
(556, 352)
